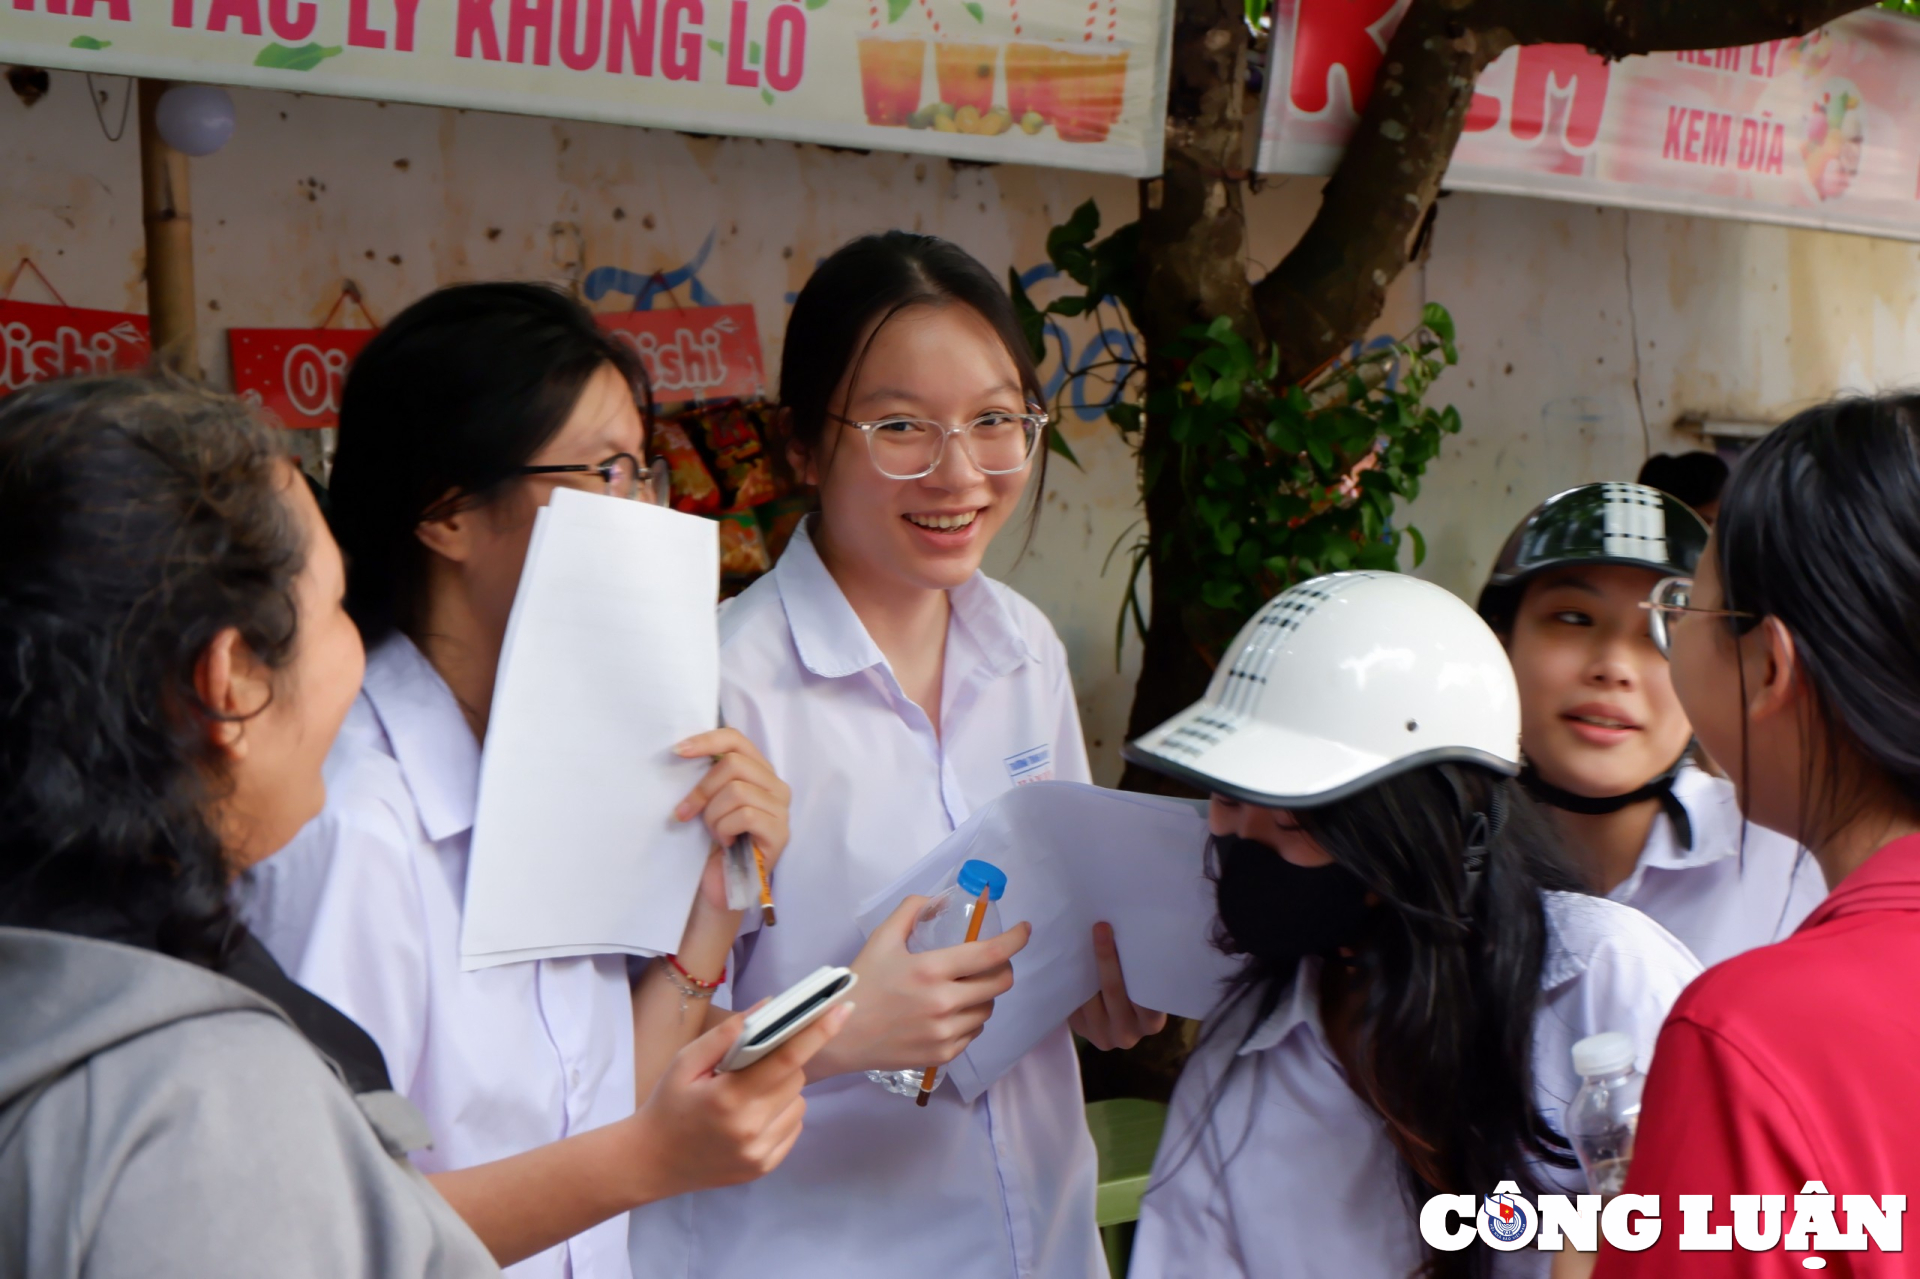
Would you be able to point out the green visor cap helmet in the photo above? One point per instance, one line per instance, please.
(1626, 524)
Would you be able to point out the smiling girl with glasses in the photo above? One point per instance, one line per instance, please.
(899, 689)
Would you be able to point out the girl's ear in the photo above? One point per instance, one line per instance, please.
(1774, 678)
(801, 459)
(451, 535)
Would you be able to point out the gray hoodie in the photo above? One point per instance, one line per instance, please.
(159, 1120)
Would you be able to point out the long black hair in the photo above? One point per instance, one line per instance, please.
(453, 397)
(140, 519)
(1446, 975)
(848, 299)
(1820, 528)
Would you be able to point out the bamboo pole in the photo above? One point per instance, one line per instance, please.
(167, 212)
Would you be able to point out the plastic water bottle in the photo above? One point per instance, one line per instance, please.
(945, 921)
(1606, 1110)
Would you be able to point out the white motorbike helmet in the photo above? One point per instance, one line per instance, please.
(1338, 683)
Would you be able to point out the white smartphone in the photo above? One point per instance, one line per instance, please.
(787, 1014)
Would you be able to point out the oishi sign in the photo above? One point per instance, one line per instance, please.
(40, 342)
(294, 374)
(1822, 131)
(698, 353)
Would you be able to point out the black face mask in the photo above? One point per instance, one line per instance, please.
(1280, 913)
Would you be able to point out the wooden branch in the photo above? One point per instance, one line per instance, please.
(1330, 289)
(168, 217)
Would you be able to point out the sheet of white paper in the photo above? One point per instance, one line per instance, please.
(1076, 855)
(611, 657)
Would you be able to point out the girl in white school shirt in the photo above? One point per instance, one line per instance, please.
(1605, 738)
(552, 1088)
(897, 689)
(1419, 960)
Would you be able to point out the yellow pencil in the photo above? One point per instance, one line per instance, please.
(766, 889)
(931, 1075)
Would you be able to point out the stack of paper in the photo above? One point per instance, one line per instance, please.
(1076, 856)
(611, 658)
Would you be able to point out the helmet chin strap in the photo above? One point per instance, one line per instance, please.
(1660, 788)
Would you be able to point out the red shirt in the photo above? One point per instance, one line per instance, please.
(1792, 1063)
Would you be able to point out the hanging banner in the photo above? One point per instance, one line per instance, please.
(294, 374)
(1076, 84)
(39, 342)
(1821, 131)
(694, 353)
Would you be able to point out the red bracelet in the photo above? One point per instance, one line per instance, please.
(695, 981)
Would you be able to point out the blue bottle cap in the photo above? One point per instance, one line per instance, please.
(978, 877)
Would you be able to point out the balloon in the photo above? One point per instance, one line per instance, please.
(195, 119)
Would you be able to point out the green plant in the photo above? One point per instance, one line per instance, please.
(1278, 481)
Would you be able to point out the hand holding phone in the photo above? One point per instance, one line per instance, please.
(787, 1014)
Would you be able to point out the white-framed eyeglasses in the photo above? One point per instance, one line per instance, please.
(908, 448)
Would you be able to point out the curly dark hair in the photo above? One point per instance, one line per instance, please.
(139, 518)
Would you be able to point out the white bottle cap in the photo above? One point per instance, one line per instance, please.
(1607, 1053)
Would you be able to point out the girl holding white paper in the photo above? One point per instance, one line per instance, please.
(1420, 955)
(897, 689)
(560, 1094)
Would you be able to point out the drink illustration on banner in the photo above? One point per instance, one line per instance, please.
(990, 77)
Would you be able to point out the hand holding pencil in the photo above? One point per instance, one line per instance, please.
(743, 802)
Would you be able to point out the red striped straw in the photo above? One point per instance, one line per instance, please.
(873, 12)
(1093, 15)
(1014, 7)
(1113, 18)
(926, 7)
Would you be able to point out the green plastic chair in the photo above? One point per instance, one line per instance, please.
(1126, 1133)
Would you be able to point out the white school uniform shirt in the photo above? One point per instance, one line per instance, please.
(1311, 1187)
(1715, 897)
(363, 908)
(877, 1188)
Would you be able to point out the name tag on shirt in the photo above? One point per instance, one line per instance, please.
(1032, 765)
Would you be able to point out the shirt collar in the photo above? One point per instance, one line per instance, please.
(1300, 1009)
(438, 756)
(1888, 880)
(1716, 833)
(833, 642)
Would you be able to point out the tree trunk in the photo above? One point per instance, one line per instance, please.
(1193, 254)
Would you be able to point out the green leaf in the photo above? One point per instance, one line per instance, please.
(1057, 443)
(1125, 416)
(1221, 595)
(753, 53)
(89, 42)
(305, 58)
(1321, 453)
(766, 96)
(1220, 329)
(1439, 319)
(897, 7)
(816, 4)
(1419, 545)
(974, 7)
(1070, 306)
(717, 47)
(1033, 325)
